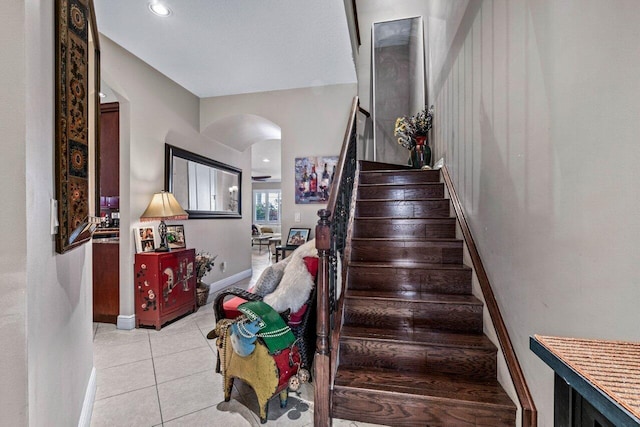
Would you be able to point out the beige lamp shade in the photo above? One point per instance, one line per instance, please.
(163, 206)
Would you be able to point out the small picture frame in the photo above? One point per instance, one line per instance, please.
(175, 237)
(298, 236)
(147, 238)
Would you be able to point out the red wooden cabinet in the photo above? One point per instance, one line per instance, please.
(165, 286)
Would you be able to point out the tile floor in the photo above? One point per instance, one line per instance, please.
(167, 378)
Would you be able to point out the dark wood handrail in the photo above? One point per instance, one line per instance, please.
(357, 25)
(529, 412)
(330, 238)
(337, 179)
(365, 112)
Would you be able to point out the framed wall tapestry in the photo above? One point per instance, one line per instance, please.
(74, 20)
(313, 178)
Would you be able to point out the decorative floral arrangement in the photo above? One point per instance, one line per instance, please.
(408, 128)
(204, 264)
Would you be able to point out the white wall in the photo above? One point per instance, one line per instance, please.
(313, 122)
(13, 254)
(45, 327)
(155, 110)
(537, 118)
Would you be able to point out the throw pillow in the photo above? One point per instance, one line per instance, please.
(312, 265)
(268, 280)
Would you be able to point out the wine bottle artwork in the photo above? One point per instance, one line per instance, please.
(313, 186)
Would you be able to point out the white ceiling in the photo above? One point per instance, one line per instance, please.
(269, 150)
(224, 47)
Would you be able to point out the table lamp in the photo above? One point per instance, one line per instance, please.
(163, 206)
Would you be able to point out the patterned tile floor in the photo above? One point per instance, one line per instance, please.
(167, 378)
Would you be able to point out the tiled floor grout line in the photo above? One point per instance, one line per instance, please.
(124, 392)
(192, 412)
(155, 379)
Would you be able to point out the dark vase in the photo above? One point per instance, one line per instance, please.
(202, 294)
(421, 153)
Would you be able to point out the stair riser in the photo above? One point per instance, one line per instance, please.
(408, 314)
(404, 279)
(438, 208)
(366, 165)
(424, 191)
(444, 228)
(467, 362)
(406, 410)
(430, 252)
(399, 177)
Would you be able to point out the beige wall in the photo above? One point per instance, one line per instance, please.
(155, 110)
(537, 119)
(45, 327)
(266, 185)
(13, 254)
(313, 122)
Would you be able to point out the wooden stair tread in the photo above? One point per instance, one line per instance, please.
(408, 239)
(427, 385)
(407, 220)
(408, 264)
(414, 199)
(412, 296)
(419, 336)
(391, 218)
(400, 171)
(394, 184)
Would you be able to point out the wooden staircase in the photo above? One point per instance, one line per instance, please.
(412, 349)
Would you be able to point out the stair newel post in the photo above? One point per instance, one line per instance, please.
(322, 358)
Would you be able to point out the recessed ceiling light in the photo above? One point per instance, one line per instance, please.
(266, 160)
(159, 9)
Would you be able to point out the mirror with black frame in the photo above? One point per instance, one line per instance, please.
(205, 188)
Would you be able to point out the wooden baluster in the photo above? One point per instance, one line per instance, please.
(322, 361)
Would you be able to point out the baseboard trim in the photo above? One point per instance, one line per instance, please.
(126, 322)
(227, 281)
(89, 398)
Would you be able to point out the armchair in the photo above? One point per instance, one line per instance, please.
(289, 287)
(302, 323)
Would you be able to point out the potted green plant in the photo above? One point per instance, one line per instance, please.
(204, 264)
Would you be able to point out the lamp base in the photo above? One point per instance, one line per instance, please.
(163, 238)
